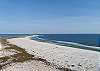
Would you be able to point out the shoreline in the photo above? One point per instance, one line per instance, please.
(63, 56)
(70, 44)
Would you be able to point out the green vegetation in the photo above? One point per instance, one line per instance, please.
(15, 48)
(4, 59)
(20, 56)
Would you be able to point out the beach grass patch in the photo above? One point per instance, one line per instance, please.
(4, 59)
(20, 56)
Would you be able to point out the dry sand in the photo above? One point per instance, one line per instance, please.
(62, 56)
(29, 65)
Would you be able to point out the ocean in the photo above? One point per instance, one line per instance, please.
(84, 41)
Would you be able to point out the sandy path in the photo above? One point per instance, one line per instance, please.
(73, 58)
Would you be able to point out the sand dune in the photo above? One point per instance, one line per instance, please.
(13, 58)
(62, 56)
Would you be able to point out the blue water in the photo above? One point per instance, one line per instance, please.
(85, 40)
(92, 40)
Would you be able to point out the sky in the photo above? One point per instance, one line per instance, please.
(50, 16)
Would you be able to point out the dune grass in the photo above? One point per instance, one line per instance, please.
(22, 56)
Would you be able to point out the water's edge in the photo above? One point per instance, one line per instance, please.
(69, 44)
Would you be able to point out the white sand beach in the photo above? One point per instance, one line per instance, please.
(62, 56)
(28, 65)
